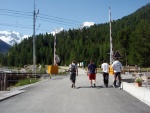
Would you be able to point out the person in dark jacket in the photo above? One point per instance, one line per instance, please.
(92, 71)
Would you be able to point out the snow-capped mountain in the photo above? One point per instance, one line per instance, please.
(86, 24)
(56, 31)
(12, 37)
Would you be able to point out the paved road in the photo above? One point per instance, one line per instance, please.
(56, 96)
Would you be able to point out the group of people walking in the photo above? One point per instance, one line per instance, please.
(92, 71)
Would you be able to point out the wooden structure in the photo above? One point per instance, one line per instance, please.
(3, 81)
(8, 79)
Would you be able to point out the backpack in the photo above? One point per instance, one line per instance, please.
(73, 68)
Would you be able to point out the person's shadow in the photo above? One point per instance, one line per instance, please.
(97, 87)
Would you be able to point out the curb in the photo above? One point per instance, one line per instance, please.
(11, 94)
(15, 91)
(141, 93)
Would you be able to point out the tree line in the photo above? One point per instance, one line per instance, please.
(130, 34)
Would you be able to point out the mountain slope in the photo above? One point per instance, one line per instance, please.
(4, 47)
(12, 37)
(130, 36)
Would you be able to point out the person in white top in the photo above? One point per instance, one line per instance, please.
(117, 67)
(105, 67)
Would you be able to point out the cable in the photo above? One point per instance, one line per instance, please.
(61, 18)
(12, 25)
(42, 17)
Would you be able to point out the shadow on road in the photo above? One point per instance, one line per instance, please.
(97, 87)
(127, 80)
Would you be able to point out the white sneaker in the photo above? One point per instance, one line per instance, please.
(114, 86)
(119, 88)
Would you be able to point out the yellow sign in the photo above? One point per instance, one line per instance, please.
(52, 69)
(111, 71)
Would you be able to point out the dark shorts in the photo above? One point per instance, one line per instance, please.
(92, 76)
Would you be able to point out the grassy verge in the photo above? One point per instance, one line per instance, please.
(26, 81)
(62, 73)
(145, 69)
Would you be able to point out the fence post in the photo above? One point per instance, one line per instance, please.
(5, 81)
(0, 81)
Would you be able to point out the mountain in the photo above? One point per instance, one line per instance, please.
(4, 47)
(12, 37)
(130, 36)
(9, 38)
(86, 24)
(56, 31)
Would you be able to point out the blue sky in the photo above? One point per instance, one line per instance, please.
(17, 15)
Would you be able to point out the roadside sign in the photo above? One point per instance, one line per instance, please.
(117, 54)
(111, 71)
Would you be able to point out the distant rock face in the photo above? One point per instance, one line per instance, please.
(12, 37)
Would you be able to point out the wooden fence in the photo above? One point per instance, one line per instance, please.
(3, 81)
(6, 79)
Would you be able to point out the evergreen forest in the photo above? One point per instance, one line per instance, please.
(130, 36)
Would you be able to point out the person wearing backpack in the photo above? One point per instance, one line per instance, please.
(73, 73)
(92, 71)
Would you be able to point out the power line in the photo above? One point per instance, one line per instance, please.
(58, 18)
(15, 13)
(23, 27)
(41, 17)
(13, 25)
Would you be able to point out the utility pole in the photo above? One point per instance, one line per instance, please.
(111, 46)
(55, 49)
(34, 57)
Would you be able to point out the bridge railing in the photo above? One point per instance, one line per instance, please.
(6, 79)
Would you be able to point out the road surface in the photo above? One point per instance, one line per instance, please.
(55, 95)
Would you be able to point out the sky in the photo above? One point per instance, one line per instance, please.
(17, 15)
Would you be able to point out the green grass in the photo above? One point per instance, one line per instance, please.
(145, 69)
(62, 73)
(26, 81)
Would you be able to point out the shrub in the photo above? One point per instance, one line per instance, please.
(138, 80)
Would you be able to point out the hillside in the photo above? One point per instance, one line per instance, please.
(4, 47)
(130, 35)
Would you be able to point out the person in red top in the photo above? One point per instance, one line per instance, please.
(92, 70)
